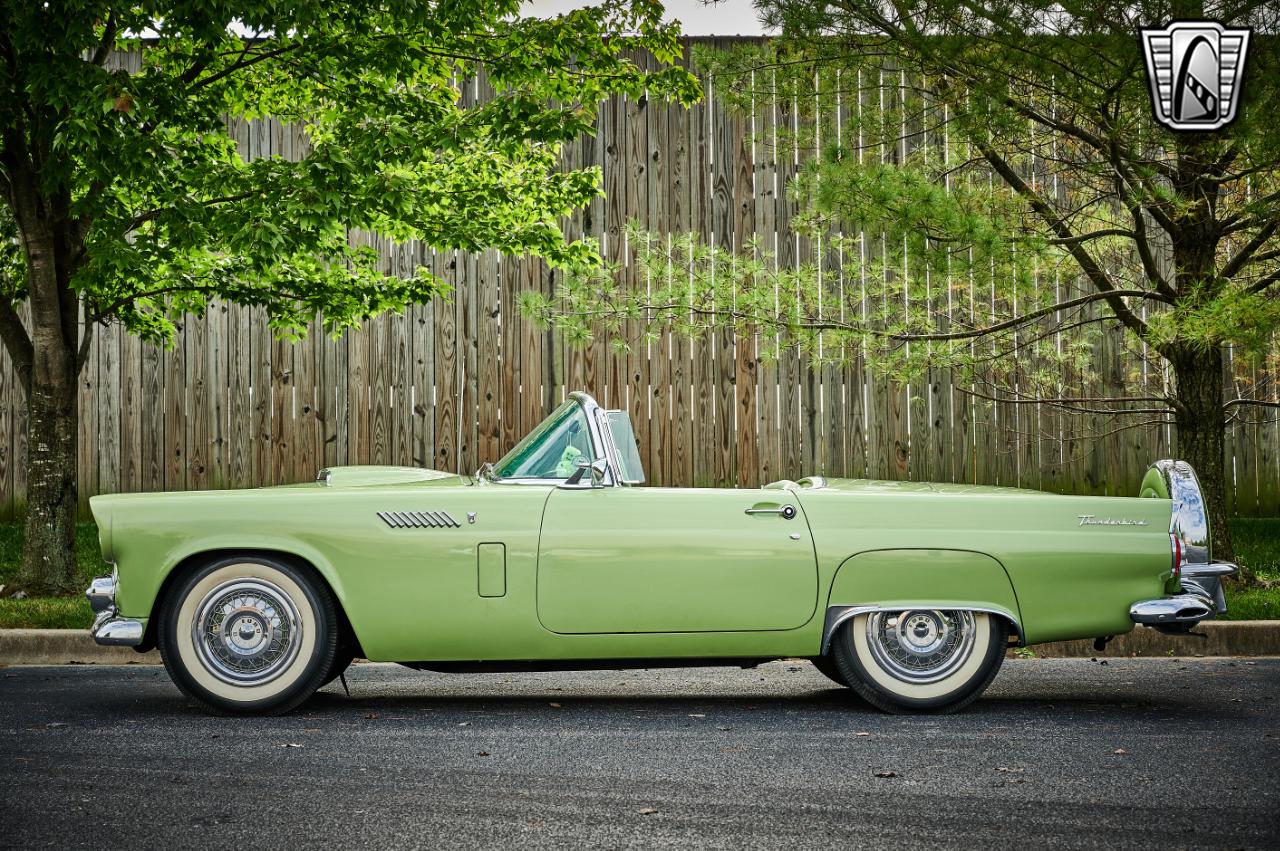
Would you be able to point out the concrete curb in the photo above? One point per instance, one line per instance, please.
(1221, 638)
(65, 647)
(1224, 638)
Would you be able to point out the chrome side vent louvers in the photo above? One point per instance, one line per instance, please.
(418, 519)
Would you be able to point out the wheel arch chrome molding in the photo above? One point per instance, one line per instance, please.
(837, 615)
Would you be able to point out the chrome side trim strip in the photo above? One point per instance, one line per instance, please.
(836, 615)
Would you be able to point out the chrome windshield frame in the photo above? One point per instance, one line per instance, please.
(602, 446)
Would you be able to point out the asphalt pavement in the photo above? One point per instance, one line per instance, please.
(1059, 753)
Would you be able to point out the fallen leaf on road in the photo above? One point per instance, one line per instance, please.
(1120, 751)
(373, 716)
(554, 705)
(647, 811)
(886, 774)
(482, 753)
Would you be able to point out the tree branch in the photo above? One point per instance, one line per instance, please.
(1247, 250)
(1023, 399)
(17, 342)
(150, 215)
(1097, 234)
(201, 82)
(108, 40)
(86, 340)
(1259, 403)
(1027, 317)
(1096, 275)
(1264, 282)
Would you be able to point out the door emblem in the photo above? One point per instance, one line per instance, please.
(1095, 520)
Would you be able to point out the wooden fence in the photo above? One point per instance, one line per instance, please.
(452, 384)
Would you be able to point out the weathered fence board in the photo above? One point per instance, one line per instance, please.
(457, 382)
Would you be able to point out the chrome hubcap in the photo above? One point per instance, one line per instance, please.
(920, 646)
(246, 631)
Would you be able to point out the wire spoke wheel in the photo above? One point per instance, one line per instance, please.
(920, 660)
(246, 631)
(921, 646)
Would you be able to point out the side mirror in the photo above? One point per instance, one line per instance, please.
(599, 468)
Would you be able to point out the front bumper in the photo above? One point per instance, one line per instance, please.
(1201, 598)
(108, 628)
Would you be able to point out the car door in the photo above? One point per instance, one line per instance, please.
(622, 559)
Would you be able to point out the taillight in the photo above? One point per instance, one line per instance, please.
(1176, 546)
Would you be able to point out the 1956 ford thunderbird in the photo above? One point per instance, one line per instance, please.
(555, 557)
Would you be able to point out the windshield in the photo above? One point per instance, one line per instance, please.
(552, 450)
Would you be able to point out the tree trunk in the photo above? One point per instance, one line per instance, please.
(48, 555)
(1201, 423)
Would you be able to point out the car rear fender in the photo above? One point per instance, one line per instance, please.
(900, 579)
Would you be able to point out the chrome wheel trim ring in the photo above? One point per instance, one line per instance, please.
(921, 646)
(246, 632)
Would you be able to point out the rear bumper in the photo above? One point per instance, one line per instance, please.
(1201, 598)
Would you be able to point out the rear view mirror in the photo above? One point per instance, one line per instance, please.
(598, 469)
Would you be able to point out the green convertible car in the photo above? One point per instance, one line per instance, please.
(555, 558)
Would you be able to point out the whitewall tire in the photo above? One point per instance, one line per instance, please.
(248, 634)
(922, 659)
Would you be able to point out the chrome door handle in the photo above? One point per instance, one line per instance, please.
(786, 512)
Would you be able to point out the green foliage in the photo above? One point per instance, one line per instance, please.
(133, 159)
(995, 172)
(46, 613)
